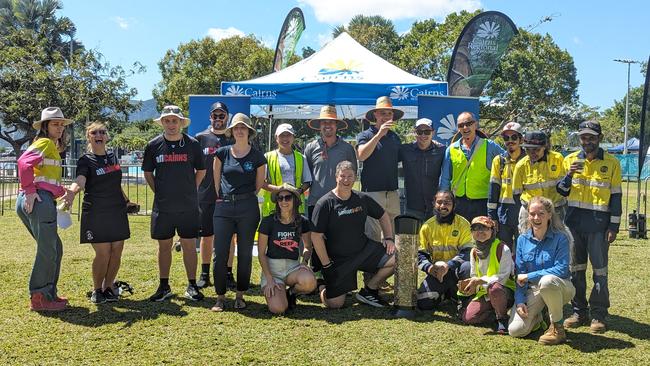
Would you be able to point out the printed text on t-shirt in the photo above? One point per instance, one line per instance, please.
(349, 211)
(171, 158)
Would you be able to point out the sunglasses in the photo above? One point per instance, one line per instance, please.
(98, 132)
(466, 124)
(171, 110)
(219, 116)
(285, 197)
(423, 132)
(507, 138)
(479, 228)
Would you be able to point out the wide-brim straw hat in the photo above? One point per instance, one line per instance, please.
(49, 114)
(172, 110)
(327, 113)
(384, 103)
(286, 187)
(240, 119)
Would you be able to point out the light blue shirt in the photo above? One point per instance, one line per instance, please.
(493, 149)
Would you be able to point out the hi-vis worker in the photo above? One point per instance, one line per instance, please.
(593, 188)
(466, 167)
(537, 174)
(501, 204)
(285, 165)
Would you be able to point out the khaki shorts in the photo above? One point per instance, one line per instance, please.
(281, 269)
(389, 200)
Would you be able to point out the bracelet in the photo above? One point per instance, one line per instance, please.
(390, 238)
(328, 265)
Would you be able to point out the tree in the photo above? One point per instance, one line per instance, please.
(199, 67)
(534, 84)
(307, 51)
(613, 119)
(373, 32)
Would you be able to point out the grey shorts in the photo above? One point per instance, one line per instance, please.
(281, 269)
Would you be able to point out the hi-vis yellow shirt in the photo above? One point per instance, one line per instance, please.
(539, 178)
(444, 241)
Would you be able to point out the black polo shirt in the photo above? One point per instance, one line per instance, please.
(379, 171)
(421, 174)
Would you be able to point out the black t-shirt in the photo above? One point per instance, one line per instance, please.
(103, 174)
(284, 240)
(209, 143)
(343, 222)
(174, 168)
(379, 171)
(238, 174)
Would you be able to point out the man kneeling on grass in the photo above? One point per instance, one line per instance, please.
(341, 245)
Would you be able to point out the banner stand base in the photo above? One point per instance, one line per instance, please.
(404, 312)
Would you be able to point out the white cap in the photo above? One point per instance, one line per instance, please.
(284, 127)
(513, 126)
(424, 122)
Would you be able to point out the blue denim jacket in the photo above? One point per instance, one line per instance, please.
(550, 256)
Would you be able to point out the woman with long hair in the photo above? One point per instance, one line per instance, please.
(238, 176)
(40, 173)
(279, 254)
(104, 222)
(543, 278)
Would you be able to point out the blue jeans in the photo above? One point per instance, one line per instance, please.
(41, 224)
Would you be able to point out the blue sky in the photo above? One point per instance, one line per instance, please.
(594, 32)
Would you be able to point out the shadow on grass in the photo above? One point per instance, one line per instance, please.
(628, 326)
(589, 343)
(124, 311)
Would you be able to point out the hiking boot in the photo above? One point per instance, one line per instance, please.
(231, 284)
(575, 320)
(161, 294)
(192, 293)
(502, 326)
(204, 281)
(111, 295)
(39, 302)
(554, 335)
(597, 326)
(371, 297)
(97, 297)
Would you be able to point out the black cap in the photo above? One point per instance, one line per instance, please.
(589, 128)
(534, 139)
(218, 105)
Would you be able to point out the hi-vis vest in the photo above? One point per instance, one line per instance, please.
(539, 178)
(49, 169)
(493, 269)
(275, 177)
(470, 181)
(593, 188)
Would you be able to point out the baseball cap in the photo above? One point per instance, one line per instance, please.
(424, 122)
(513, 126)
(589, 128)
(218, 105)
(534, 139)
(284, 127)
(485, 221)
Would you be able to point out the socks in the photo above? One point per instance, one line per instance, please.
(205, 269)
(192, 282)
(164, 282)
(230, 270)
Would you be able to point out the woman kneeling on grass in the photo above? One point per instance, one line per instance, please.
(542, 265)
(279, 252)
(104, 222)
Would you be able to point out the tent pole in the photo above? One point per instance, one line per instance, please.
(268, 147)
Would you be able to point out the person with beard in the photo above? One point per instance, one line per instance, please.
(491, 277)
(445, 244)
(467, 165)
(323, 155)
(211, 139)
(501, 205)
(537, 174)
(421, 161)
(542, 274)
(593, 188)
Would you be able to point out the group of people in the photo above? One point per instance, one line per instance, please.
(500, 228)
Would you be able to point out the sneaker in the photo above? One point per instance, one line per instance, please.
(554, 335)
(291, 299)
(575, 320)
(597, 326)
(39, 302)
(371, 297)
(161, 294)
(204, 281)
(111, 295)
(192, 293)
(502, 326)
(231, 284)
(97, 297)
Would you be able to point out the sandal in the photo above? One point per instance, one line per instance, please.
(240, 303)
(219, 306)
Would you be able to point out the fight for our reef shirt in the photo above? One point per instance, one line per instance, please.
(173, 164)
(284, 239)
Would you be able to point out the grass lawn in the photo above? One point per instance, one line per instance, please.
(134, 331)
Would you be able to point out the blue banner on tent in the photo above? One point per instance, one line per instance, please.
(199, 111)
(443, 111)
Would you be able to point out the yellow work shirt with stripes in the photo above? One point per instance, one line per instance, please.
(539, 178)
(444, 241)
(592, 188)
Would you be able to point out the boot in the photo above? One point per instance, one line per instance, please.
(40, 303)
(597, 326)
(554, 335)
(575, 320)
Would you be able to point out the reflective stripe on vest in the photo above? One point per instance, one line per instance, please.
(592, 188)
(493, 269)
(43, 179)
(471, 181)
(50, 162)
(588, 206)
(275, 176)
